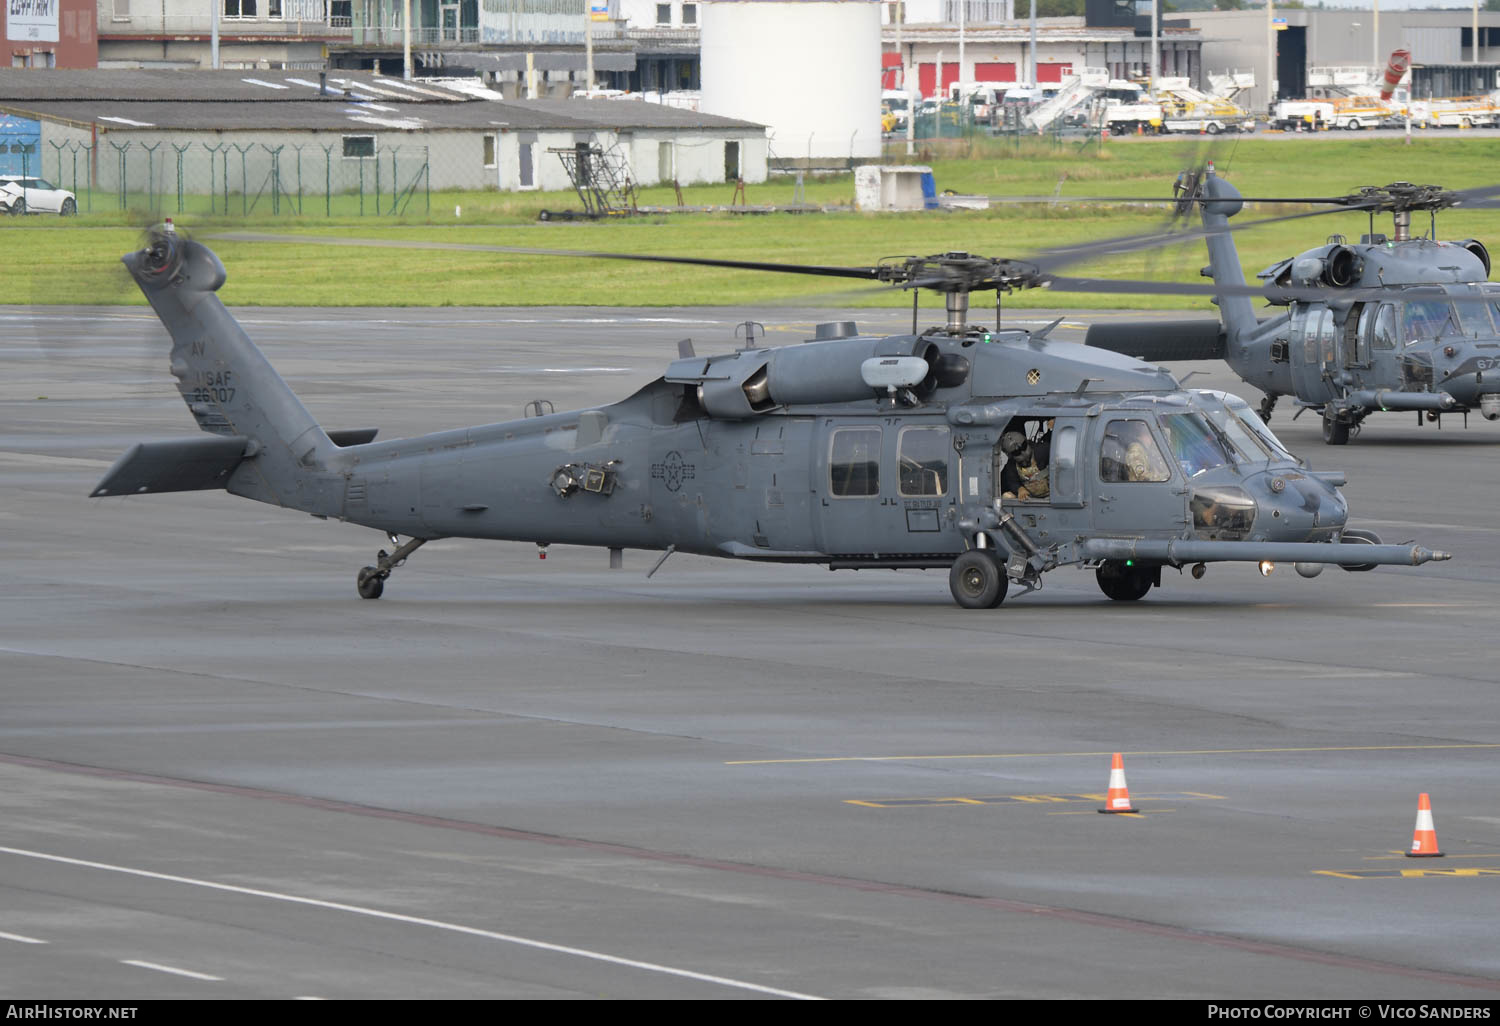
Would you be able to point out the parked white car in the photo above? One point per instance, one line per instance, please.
(20, 195)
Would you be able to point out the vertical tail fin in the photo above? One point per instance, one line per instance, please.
(1238, 312)
(227, 383)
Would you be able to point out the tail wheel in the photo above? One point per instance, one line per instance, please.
(977, 580)
(1123, 582)
(369, 583)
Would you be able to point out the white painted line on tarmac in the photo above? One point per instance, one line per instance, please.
(397, 917)
(1428, 525)
(173, 970)
(20, 939)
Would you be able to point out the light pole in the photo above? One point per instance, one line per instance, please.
(1155, 47)
(1271, 58)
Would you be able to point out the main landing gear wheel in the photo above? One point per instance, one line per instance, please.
(1351, 536)
(977, 580)
(1335, 431)
(1124, 583)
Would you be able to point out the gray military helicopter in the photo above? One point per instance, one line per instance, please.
(1407, 323)
(998, 455)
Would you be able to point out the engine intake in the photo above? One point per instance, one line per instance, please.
(1479, 250)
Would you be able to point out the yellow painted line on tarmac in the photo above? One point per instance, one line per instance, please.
(1461, 872)
(1401, 855)
(1080, 755)
(1024, 799)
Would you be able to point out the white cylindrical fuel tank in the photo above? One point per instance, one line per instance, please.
(808, 69)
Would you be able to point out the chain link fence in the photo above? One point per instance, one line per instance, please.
(238, 180)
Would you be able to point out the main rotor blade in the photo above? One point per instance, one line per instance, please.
(1066, 256)
(864, 273)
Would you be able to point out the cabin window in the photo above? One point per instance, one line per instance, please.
(923, 456)
(1317, 337)
(1129, 453)
(854, 462)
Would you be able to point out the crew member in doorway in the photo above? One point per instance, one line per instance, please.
(1024, 475)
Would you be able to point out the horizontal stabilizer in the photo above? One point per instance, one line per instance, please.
(179, 465)
(345, 437)
(1161, 341)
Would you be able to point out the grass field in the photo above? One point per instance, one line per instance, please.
(75, 261)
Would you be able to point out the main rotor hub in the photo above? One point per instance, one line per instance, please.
(1399, 197)
(959, 273)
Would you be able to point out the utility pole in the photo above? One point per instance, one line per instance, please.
(1271, 58)
(406, 41)
(588, 47)
(1033, 44)
(963, 6)
(1155, 46)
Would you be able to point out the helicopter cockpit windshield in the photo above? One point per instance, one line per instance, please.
(1475, 316)
(1251, 438)
(1428, 318)
(1471, 312)
(1195, 443)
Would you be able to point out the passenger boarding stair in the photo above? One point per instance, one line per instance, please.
(1075, 90)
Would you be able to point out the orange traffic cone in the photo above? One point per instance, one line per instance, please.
(1118, 799)
(1424, 838)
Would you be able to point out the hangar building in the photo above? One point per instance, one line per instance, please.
(134, 123)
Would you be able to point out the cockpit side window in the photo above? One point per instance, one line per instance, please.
(1128, 452)
(1383, 335)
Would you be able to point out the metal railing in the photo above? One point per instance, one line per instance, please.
(392, 35)
(193, 24)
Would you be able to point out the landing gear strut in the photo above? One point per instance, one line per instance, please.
(1267, 404)
(370, 582)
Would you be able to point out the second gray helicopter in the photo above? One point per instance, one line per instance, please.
(1406, 324)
